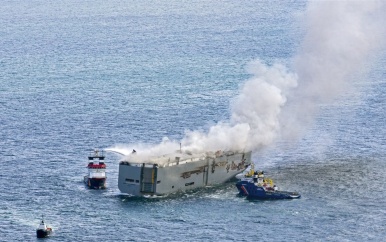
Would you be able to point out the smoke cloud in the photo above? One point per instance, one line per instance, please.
(276, 102)
(254, 122)
(341, 38)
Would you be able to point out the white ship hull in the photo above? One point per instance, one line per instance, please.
(180, 173)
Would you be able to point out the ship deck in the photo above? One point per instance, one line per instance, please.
(177, 158)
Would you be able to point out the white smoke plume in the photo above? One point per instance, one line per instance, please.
(339, 38)
(255, 113)
(144, 151)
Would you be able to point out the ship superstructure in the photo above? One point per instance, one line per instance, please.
(179, 171)
(96, 177)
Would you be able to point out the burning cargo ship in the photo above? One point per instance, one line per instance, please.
(179, 171)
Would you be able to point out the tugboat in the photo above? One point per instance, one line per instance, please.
(254, 186)
(43, 231)
(96, 178)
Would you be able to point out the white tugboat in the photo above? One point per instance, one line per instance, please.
(96, 178)
(43, 231)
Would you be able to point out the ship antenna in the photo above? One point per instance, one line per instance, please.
(180, 148)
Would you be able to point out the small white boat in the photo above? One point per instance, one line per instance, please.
(43, 230)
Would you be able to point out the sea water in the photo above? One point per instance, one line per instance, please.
(79, 75)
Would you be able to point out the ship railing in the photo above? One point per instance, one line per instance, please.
(97, 154)
(181, 162)
(165, 163)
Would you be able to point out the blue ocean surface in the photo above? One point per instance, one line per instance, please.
(79, 75)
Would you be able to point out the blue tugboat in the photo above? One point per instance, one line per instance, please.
(254, 186)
